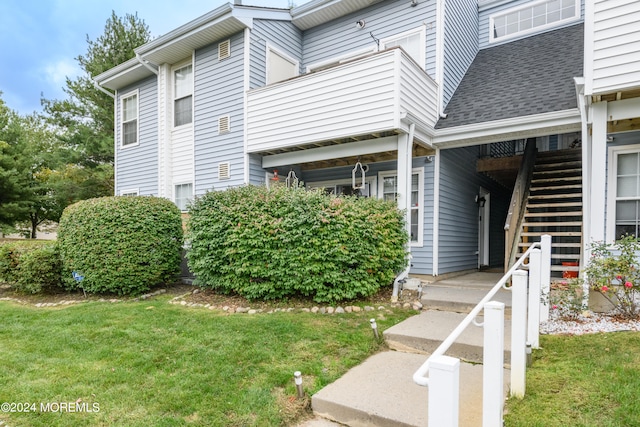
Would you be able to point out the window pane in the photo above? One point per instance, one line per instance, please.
(183, 82)
(628, 164)
(627, 218)
(414, 225)
(130, 132)
(182, 111)
(129, 108)
(183, 195)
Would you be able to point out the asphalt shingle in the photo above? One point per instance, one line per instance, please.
(529, 76)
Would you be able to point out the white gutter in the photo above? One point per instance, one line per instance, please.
(103, 90)
(146, 64)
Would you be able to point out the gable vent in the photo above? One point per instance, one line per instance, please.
(224, 124)
(224, 49)
(224, 170)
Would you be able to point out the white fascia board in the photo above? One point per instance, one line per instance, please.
(123, 75)
(623, 109)
(359, 148)
(513, 128)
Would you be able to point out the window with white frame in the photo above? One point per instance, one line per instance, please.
(388, 190)
(532, 17)
(345, 187)
(623, 210)
(413, 42)
(183, 95)
(183, 194)
(129, 109)
(130, 193)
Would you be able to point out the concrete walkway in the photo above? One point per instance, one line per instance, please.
(381, 391)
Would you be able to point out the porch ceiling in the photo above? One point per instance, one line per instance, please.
(625, 125)
(503, 170)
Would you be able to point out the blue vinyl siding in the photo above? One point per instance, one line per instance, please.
(422, 257)
(137, 166)
(219, 88)
(384, 19)
(459, 184)
(460, 42)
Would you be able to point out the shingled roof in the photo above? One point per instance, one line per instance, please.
(529, 76)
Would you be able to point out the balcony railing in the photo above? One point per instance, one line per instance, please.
(365, 96)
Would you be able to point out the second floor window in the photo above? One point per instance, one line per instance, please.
(130, 119)
(413, 42)
(183, 95)
(532, 17)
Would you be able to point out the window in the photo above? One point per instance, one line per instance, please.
(388, 190)
(280, 66)
(183, 195)
(129, 119)
(623, 212)
(130, 192)
(183, 95)
(532, 17)
(413, 42)
(345, 187)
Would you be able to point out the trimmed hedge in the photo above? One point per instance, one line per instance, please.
(122, 245)
(277, 243)
(30, 266)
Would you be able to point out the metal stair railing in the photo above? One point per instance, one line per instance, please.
(526, 313)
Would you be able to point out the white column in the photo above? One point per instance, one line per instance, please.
(493, 365)
(404, 178)
(533, 324)
(444, 391)
(598, 172)
(518, 333)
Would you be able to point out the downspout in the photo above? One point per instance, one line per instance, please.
(103, 90)
(402, 277)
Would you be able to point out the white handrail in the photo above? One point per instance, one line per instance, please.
(419, 377)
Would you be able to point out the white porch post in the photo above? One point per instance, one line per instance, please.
(404, 177)
(493, 365)
(444, 392)
(598, 172)
(518, 332)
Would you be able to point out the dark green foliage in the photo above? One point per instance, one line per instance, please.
(278, 243)
(120, 245)
(30, 266)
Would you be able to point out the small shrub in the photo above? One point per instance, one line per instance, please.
(122, 245)
(565, 299)
(276, 243)
(40, 270)
(30, 266)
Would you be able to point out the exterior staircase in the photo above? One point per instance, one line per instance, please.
(554, 207)
(381, 392)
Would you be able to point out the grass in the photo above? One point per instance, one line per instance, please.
(581, 381)
(153, 363)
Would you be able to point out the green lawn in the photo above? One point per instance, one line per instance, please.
(150, 363)
(581, 381)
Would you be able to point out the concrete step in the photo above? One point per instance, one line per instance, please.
(460, 299)
(380, 392)
(425, 332)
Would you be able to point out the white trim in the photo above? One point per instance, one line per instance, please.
(136, 93)
(532, 30)
(598, 171)
(589, 46)
(613, 153)
(173, 191)
(270, 48)
(130, 192)
(421, 31)
(246, 70)
(420, 173)
(436, 212)
(349, 56)
(439, 65)
(368, 146)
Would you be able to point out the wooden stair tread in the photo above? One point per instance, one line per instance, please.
(552, 214)
(553, 245)
(555, 205)
(552, 233)
(553, 224)
(555, 196)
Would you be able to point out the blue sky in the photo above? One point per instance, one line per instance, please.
(40, 39)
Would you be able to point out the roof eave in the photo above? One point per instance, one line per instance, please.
(318, 12)
(123, 75)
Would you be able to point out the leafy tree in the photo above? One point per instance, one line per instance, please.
(86, 118)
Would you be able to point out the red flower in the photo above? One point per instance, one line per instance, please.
(604, 288)
(628, 285)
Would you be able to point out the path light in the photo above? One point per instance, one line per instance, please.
(374, 326)
(298, 378)
(529, 355)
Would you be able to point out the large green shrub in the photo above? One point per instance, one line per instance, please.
(30, 266)
(122, 245)
(276, 243)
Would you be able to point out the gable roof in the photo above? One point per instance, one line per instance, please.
(530, 76)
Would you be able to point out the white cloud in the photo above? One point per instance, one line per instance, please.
(56, 72)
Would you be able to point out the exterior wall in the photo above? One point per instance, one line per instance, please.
(616, 54)
(280, 34)
(486, 12)
(422, 256)
(460, 43)
(384, 19)
(137, 166)
(219, 91)
(458, 237)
